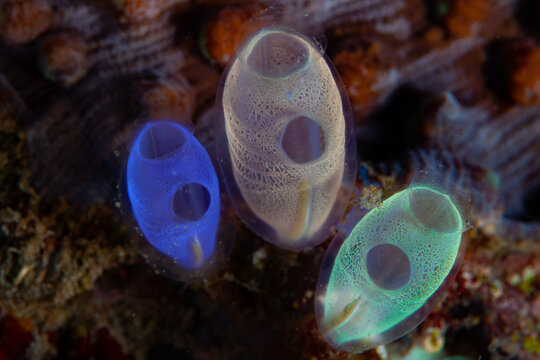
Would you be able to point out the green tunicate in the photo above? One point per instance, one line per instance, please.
(393, 261)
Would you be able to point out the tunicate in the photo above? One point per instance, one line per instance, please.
(284, 134)
(383, 278)
(174, 194)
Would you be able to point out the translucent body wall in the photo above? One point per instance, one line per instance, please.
(287, 149)
(174, 193)
(383, 278)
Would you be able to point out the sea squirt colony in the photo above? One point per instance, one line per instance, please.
(463, 163)
(286, 154)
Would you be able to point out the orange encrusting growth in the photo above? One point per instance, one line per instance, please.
(524, 84)
(137, 10)
(170, 98)
(222, 32)
(465, 16)
(434, 36)
(358, 70)
(24, 21)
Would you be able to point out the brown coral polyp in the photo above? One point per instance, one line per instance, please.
(64, 58)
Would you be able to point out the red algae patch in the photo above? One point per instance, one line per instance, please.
(15, 337)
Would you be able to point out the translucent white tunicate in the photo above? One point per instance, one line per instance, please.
(285, 141)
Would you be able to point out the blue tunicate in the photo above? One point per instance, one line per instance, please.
(174, 193)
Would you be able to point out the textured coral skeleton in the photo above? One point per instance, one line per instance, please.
(446, 86)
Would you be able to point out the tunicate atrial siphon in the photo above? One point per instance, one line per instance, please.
(382, 278)
(285, 142)
(174, 195)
